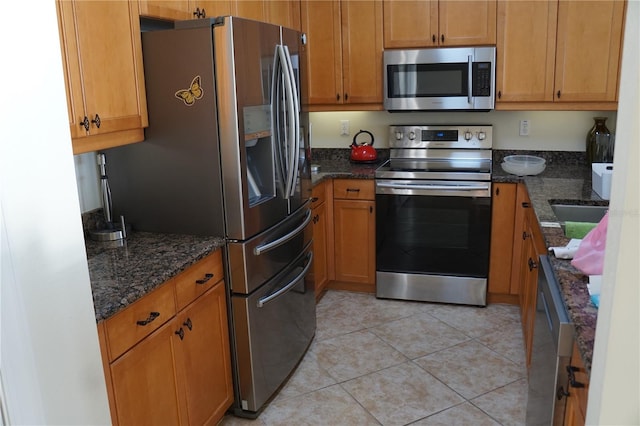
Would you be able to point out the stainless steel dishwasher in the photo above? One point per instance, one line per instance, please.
(552, 345)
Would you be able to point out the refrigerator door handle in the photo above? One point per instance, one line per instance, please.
(276, 135)
(292, 119)
(263, 248)
(295, 115)
(264, 300)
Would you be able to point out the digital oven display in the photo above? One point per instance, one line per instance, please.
(440, 135)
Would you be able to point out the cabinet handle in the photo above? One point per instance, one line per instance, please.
(525, 235)
(188, 324)
(558, 94)
(532, 265)
(561, 393)
(433, 38)
(442, 38)
(526, 205)
(499, 94)
(180, 333)
(85, 123)
(152, 316)
(96, 121)
(197, 12)
(204, 13)
(314, 199)
(572, 377)
(497, 191)
(337, 96)
(206, 278)
(370, 209)
(346, 97)
(353, 189)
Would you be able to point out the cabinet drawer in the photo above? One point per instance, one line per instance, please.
(318, 194)
(128, 327)
(353, 189)
(198, 278)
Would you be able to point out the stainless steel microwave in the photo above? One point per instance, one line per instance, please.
(457, 78)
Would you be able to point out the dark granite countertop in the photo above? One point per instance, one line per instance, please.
(122, 275)
(566, 179)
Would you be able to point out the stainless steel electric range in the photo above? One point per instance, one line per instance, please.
(433, 214)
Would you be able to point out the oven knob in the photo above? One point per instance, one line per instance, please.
(412, 135)
(399, 136)
(468, 135)
(482, 136)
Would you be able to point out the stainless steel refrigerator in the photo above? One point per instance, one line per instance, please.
(226, 153)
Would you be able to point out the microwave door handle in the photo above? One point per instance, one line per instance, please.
(264, 300)
(469, 78)
(295, 115)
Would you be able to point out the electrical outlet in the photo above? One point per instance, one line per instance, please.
(524, 127)
(344, 127)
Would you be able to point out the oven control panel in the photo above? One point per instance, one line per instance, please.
(441, 136)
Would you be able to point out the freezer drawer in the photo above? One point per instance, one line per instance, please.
(255, 261)
(273, 328)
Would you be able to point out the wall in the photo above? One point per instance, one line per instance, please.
(549, 130)
(614, 390)
(50, 363)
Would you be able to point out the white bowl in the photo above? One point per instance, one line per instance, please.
(523, 165)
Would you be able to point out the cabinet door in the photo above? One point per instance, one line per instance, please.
(588, 50)
(283, 12)
(362, 51)
(211, 8)
(354, 222)
(410, 23)
(250, 9)
(320, 20)
(520, 235)
(503, 211)
(526, 50)
(320, 271)
(172, 10)
(103, 64)
(203, 357)
(467, 23)
(144, 382)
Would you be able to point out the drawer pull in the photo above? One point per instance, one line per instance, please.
(353, 189)
(180, 333)
(572, 377)
(314, 199)
(188, 324)
(152, 316)
(525, 235)
(206, 278)
(532, 264)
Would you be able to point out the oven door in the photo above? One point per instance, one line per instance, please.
(433, 228)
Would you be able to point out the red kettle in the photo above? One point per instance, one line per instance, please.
(363, 152)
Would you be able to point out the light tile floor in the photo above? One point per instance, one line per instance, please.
(387, 362)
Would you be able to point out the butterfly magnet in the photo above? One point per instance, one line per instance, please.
(189, 96)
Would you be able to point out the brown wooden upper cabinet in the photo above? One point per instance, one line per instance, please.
(344, 51)
(558, 54)
(102, 59)
(281, 12)
(433, 23)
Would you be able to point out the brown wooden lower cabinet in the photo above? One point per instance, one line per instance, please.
(173, 368)
(576, 411)
(354, 235)
(322, 202)
(503, 213)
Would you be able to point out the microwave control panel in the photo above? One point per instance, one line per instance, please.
(481, 79)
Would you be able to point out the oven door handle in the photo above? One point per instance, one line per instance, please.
(480, 187)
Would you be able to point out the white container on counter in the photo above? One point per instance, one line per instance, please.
(601, 179)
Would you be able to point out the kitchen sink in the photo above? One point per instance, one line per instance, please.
(578, 213)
